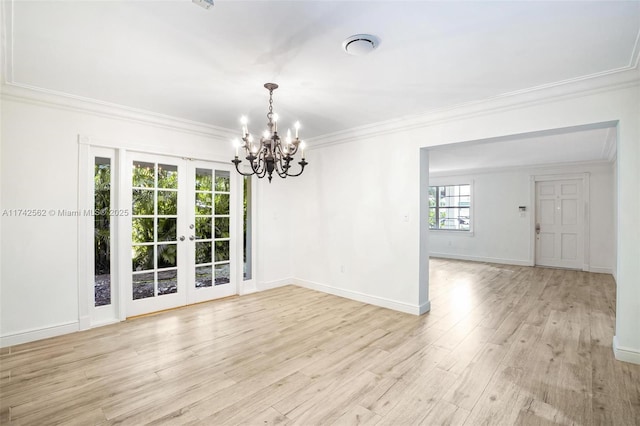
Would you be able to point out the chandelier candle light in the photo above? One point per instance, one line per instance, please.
(270, 153)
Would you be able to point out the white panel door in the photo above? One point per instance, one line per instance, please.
(560, 224)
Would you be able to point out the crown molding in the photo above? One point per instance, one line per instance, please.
(621, 78)
(545, 167)
(617, 79)
(63, 101)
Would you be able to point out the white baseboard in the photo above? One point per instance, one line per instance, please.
(424, 308)
(84, 323)
(365, 298)
(482, 259)
(104, 322)
(266, 285)
(247, 287)
(38, 334)
(601, 270)
(625, 354)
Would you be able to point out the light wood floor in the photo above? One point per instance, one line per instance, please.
(502, 345)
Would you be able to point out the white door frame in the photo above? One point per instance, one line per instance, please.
(584, 178)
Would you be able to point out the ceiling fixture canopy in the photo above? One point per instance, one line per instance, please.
(270, 153)
(205, 4)
(360, 44)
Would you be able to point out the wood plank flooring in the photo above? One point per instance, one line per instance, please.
(502, 345)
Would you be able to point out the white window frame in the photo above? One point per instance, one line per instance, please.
(439, 182)
(247, 286)
(89, 314)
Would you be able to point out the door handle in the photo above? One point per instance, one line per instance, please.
(181, 237)
(537, 228)
(192, 237)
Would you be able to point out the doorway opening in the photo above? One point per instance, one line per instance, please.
(503, 171)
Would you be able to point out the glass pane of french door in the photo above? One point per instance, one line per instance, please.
(212, 260)
(157, 254)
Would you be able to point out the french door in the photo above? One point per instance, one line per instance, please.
(181, 233)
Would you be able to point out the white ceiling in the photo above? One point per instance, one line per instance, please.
(562, 146)
(175, 58)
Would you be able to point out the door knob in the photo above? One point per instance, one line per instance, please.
(537, 228)
(192, 237)
(181, 237)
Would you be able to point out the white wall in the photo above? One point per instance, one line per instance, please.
(500, 234)
(602, 226)
(360, 184)
(351, 237)
(273, 255)
(39, 170)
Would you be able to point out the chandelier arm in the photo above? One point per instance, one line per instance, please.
(278, 150)
(279, 155)
(280, 169)
(255, 165)
(281, 174)
(287, 157)
(237, 163)
(293, 150)
(261, 166)
(302, 164)
(255, 162)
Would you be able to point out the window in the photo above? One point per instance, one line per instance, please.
(102, 231)
(247, 220)
(450, 207)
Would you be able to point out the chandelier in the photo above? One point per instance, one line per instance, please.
(270, 153)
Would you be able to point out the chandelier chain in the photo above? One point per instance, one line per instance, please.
(270, 113)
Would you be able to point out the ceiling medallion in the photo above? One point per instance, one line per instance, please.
(270, 153)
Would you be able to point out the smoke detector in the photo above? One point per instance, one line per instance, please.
(360, 44)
